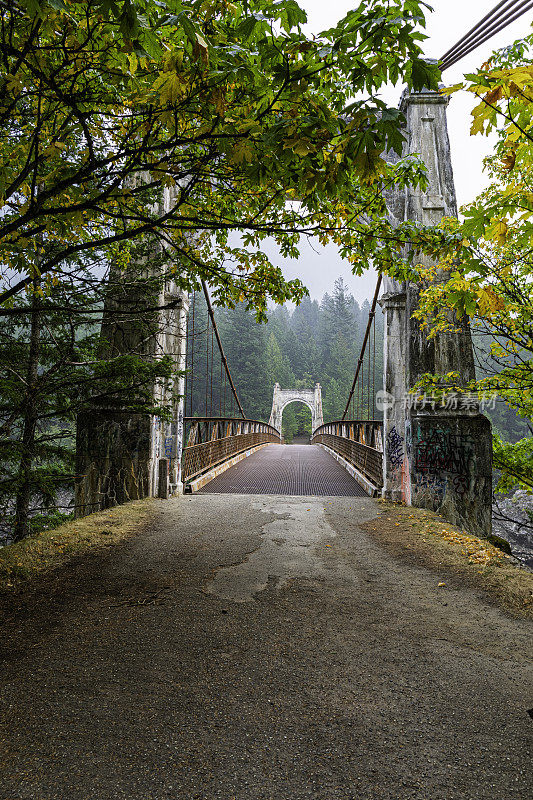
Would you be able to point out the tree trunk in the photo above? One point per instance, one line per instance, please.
(29, 422)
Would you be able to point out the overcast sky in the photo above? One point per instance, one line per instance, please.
(449, 21)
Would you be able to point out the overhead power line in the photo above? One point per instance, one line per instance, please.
(502, 15)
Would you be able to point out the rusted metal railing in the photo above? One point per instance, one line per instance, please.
(360, 443)
(213, 440)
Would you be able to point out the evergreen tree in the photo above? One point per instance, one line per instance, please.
(56, 362)
(306, 314)
(334, 400)
(343, 306)
(278, 368)
(245, 345)
(197, 357)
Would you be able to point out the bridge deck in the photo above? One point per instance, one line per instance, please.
(288, 470)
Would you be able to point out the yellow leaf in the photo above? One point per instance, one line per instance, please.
(500, 230)
(451, 89)
(241, 152)
(513, 133)
(477, 126)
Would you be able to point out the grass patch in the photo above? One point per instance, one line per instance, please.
(47, 550)
(429, 539)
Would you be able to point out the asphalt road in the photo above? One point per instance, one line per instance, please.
(262, 648)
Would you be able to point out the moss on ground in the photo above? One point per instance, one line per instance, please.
(428, 539)
(41, 552)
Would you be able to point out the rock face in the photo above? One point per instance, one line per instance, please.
(435, 457)
(513, 520)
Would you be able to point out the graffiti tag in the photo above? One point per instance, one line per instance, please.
(445, 459)
(395, 447)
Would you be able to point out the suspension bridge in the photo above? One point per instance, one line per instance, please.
(255, 639)
(421, 454)
(415, 452)
(224, 453)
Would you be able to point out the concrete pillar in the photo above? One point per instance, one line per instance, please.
(277, 411)
(119, 453)
(393, 302)
(435, 457)
(318, 415)
(167, 435)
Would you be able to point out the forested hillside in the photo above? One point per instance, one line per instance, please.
(316, 342)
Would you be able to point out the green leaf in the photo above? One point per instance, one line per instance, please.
(424, 74)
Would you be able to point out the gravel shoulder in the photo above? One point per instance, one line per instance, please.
(261, 647)
(423, 538)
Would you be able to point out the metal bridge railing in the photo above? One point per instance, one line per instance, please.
(213, 440)
(360, 443)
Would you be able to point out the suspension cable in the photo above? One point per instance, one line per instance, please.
(502, 15)
(193, 304)
(477, 41)
(222, 354)
(488, 18)
(206, 368)
(363, 346)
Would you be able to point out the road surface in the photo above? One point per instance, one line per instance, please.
(262, 648)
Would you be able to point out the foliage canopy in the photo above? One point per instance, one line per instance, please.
(228, 109)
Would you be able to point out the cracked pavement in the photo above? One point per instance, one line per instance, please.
(257, 647)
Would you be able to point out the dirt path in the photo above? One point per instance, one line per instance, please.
(262, 648)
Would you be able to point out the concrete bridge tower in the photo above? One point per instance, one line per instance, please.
(123, 455)
(435, 457)
(312, 398)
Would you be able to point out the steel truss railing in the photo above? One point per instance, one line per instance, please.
(359, 442)
(213, 440)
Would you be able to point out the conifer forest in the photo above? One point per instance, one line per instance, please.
(317, 341)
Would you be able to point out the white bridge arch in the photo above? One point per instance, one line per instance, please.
(312, 398)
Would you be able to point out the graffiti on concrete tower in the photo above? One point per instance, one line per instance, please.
(395, 447)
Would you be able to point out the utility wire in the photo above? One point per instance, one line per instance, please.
(502, 15)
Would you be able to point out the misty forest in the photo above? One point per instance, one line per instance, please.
(318, 341)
